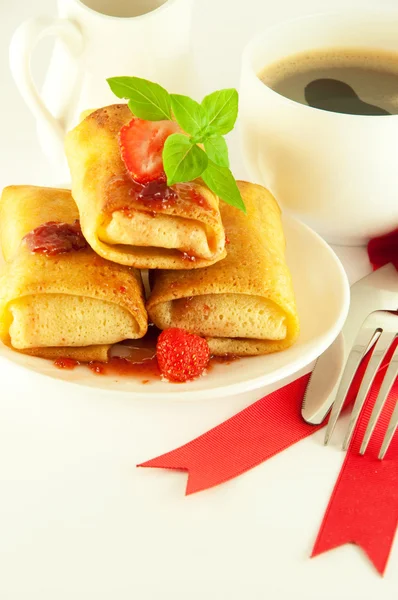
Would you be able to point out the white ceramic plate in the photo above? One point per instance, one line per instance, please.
(322, 294)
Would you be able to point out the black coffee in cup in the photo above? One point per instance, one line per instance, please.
(360, 81)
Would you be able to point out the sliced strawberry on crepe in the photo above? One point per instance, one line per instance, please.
(141, 145)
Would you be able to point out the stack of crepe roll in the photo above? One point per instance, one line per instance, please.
(73, 305)
(214, 271)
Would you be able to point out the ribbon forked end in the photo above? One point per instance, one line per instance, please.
(378, 553)
(170, 461)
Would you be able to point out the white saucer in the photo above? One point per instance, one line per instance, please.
(322, 294)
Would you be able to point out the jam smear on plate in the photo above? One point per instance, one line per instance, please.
(135, 358)
(125, 366)
(140, 362)
(66, 363)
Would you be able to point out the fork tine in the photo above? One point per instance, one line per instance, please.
(382, 346)
(363, 343)
(382, 396)
(392, 426)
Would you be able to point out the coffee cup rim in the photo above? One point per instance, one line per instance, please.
(247, 57)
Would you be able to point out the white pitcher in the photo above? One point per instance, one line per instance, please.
(97, 39)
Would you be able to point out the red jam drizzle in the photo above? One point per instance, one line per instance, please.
(190, 193)
(147, 368)
(158, 195)
(56, 238)
(133, 358)
(122, 192)
(140, 360)
(119, 192)
(66, 363)
(198, 199)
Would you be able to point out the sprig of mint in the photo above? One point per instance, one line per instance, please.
(201, 151)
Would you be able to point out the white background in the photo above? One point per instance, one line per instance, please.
(77, 519)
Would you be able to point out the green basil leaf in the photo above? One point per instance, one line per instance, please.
(222, 110)
(221, 181)
(147, 100)
(217, 150)
(182, 160)
(190, 115)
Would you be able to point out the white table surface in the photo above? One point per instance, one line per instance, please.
(77, 519)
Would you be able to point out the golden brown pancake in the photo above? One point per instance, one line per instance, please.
(185, 232)
(74, 304)
(243, 305)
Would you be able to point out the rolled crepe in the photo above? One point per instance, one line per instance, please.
(74, 304)
(185, 233)
(245, 304)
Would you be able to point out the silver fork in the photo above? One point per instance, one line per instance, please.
(378, 332)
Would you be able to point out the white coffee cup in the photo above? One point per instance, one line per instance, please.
(97, 39)
(337, 172)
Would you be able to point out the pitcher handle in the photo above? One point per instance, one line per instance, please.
(22, 45)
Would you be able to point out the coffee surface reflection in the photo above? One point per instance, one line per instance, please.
(337, 96)
(352, 81)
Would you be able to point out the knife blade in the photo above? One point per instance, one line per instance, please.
(377, 291)
(320, 392)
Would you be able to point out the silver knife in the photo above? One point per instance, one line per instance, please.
(377, 291)
(322, 386)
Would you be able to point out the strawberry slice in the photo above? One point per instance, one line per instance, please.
(141, 145)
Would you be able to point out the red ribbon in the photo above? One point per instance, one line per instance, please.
(242, 442)
(383, 250)
(363, 508)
